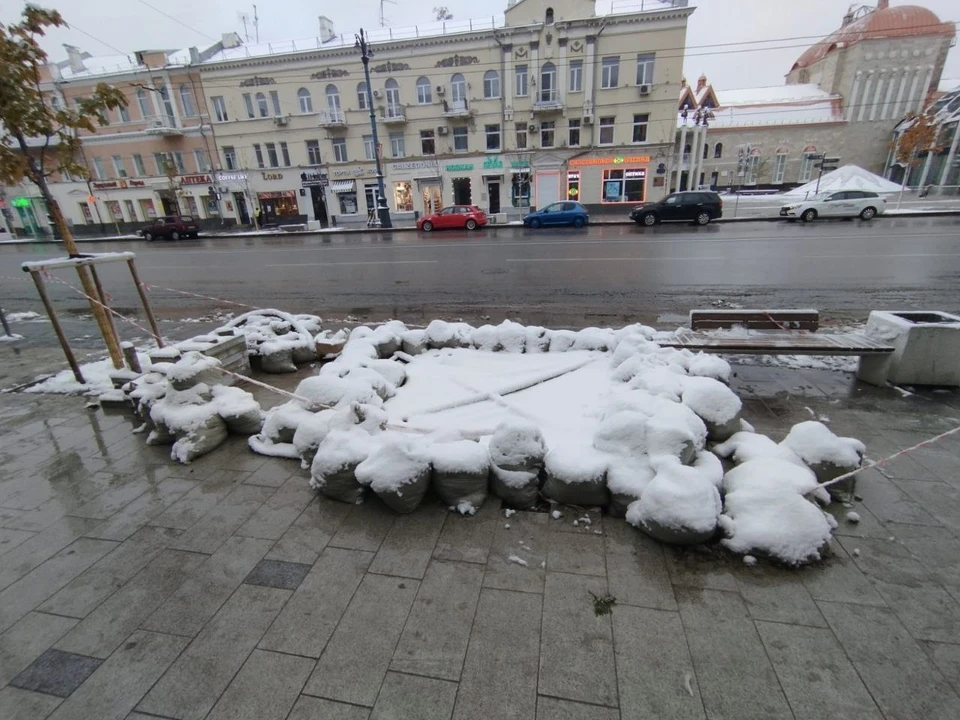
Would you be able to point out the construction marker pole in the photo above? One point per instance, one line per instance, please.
(146, 302)
(6, 326)
(57, 328)
(103, 301)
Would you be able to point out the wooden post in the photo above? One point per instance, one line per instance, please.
(130, 354)
(146, 302)
(6, 326)
(102, 296)
(42, 291)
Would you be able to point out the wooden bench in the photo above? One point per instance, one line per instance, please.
(783, 332)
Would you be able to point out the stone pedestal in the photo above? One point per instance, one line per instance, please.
(927, 349)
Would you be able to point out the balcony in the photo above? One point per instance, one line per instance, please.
(456, 109)
(547, 101)
(331, 118)
(163, 125)
(393, 115)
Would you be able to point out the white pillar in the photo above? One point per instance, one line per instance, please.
(877, 95)
(891, 83)
(852, 100)
(533, 74)
(864, 101)
(683, 144)
(589, 71)
(703, 147)
(562, 75)
(694, 153)
(897, 109)
(509, 78)
(924, 88)
(951, 156)
(911, 97)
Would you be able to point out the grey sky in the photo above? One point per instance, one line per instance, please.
(132, 25)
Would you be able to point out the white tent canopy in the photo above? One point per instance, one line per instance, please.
(848, 177)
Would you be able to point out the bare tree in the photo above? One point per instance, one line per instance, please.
(442, 13)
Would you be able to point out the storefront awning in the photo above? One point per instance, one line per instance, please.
(520, 171)
(343, 186)
(428, 179)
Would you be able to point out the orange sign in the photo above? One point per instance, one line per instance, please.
(639, 160)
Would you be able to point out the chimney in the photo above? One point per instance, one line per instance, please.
(74, 58)
(194, 56)
(326, 29)
(701, 82)
(883, 4)
(230, 40)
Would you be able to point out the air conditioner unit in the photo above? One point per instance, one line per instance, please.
(645, 88)
(442, 130)
(281, 120)
(587, 119)
(158, 123)
(441, 89)
(532, 127)
(376, 93)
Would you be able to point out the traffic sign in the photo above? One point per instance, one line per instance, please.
(815, 157)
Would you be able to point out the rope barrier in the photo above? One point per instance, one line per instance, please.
(205, 297)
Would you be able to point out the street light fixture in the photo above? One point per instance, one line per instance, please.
(383, 212)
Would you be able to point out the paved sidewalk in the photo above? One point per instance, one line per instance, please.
(131, 587)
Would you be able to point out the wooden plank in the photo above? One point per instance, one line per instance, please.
(782, 344)
(755, 319)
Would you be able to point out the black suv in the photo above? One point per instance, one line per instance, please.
(697, 206)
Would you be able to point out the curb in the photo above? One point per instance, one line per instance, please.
(356, 231)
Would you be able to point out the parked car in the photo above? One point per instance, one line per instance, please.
(698, 206)
(845, 204)
(172, 227)
(456, 216)
(558, 213)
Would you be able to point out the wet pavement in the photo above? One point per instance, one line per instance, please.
(602, 275)
(132, 587)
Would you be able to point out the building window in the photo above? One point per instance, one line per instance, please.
(806, 167)
(521, 136)
(118, 167)
(179, 164)
(203, 162)
(397, 146)
(147, 209)
(576, 75)
(548, 82)
(403, 196)
(520, 190)
(348, 202)
(362, 96)
(706, 151)
(718, 150)
(219, 108)
(548, 17)
(573, 185)
(610, 72)
(259, 155)
(645, 63)
(547, 128)
(339, 149)
(98, 172)
(284, 154)
(369, 151)
(143, 103)
(392, 91)
(458, 88)
(113, 206)
(491, 85)
(123, 112)
(262, 106)
(306, 102)
(621, 186)
(138, 166)
(752, 169)
(424, 91)
(131, 210)
(779, 168)
(161, 163)
(607, 130)
(313, 152)
(275, 101)
(493, 136)
(640, 123)
(573, 132)
(520, 86)
(186, 100)
(230, 157)
(460, 141)
(167, 103)
(333, 102)
(272, 155)
(248, 104)
(428, 145)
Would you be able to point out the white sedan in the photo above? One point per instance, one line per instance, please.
(844, 204)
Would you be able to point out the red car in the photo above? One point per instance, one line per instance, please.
(456, 216)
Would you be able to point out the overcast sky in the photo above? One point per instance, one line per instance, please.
(787, 25)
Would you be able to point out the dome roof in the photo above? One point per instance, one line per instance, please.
(884, 22)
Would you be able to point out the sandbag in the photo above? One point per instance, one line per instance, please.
(334, 467)
(247, 422)
(398, 472)
(341, 485)
(461, 471)
(199, 441)
(414, 342)
(588, 493)
(278, 361)
(160, 434)
(517, 488)
(456, 488)
(408, 498)
(304, 354)
(721, 432)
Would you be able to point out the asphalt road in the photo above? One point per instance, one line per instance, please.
(599, 275)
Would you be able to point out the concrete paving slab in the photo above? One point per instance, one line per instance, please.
(10, 538)
(56, 673)
(196, 503)
(122, 524)
(556, 709)
(278, 574)
(364, 527)
(701, 567)
(17, 704)
(266, 688)
(311, 708)
(42, 546)
(279, 511)
(468, 539)
(271, 472)
(940, 500)
(27, 640)
(889, 502)
(575, 553)
(500, 671)
(523, 536)
(655, 673)
(408, 546)
(435, 637)
(409, 696)
(310, 532)
(309, 618)
(838, 579)
(354, 662)
(636, 568)
(946, 657)
(777, 595)
(214, 528)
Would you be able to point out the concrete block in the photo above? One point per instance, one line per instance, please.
(927, 349)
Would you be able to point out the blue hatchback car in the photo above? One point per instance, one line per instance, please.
(565, 212)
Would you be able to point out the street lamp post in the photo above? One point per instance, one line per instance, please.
(383, 212)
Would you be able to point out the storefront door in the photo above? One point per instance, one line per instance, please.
(432, 199)
(461, 191)
(493, 193)
(242, 212)
(548, 188)
(319, 206)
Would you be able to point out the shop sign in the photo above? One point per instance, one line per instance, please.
(461, 167)
(231, 177)
(195, 180)
(522, 164)
(21, 202)
(390, 67)
(493, 163)
(271, 176)
(414, 165)
(136, 183)
(618, 160)
(257, 82)
(634, 174)
(329, 74)
(356, 172)
(108, 185)
(458, 61)
(313, 179)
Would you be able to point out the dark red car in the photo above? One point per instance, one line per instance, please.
(468, 217)
(172, 227)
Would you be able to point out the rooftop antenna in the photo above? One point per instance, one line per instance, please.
(244, 18)
(256, 24)
(383, 18)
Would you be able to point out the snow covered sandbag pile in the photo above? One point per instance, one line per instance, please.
(333, 471)
(398, 471)
(679, 506)
(277, 341)
(461, 474)
(828, 455)
(517, 451)
(576, 476)
(716, 404)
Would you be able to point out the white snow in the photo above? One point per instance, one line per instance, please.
(22, 316)
(815, 443)
(10, 338)
(391, 466)
(629, 476)
(749, 560)
(623, 432)
(96, 374)
(572, 464)
(672, 427)
(517, 560)
(747, 445)
(848, 177)
(711, 366)
(678, 497)
(461, 456)
(509, 512)
(190, 365)
(516, 442)
(853, 517)
(342, 448)
(710, 399)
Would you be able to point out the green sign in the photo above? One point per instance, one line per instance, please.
(520, 163)
(493, 163)
(462, 167)
(21, 202)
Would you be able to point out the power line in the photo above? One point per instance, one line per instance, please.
(179, 22)
(95, 38)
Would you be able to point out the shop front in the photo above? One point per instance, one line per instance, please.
(315, 182)
(277, 202)
(353, 192)
(235, 196)
(607, 185)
